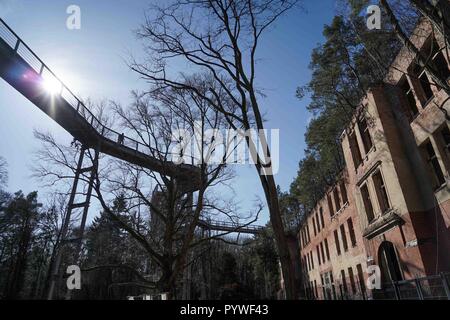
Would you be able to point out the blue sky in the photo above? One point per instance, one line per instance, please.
(91, 62)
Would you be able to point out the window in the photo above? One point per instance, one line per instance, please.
(327, 250)
(424, 83)
(381, 192)
(318, 255)
(446, 137)
(314, 226)
(343, 192)
(321, 217)
(332, 286)
(330, 205)
(312, 260)
(362, 285)
(344, 238)
(318, 223)
(337, 201)
(336, 241)
(315, 288)
(344, 281)
(365, 134)
(367, 203)
(324, 292)
(352, 280)
(434, 165)
(322, 251)
(354, 148)
(439, 62)
(308, 237)
(351, 231)
(309, 262)
(411, 101)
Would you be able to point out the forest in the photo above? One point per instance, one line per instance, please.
(115, 265)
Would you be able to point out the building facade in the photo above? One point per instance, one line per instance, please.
(391, 205)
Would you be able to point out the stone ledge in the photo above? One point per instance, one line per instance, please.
(386, 221)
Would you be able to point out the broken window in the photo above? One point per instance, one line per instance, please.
(314, 226)
(410, 99)
(424, 83)
(343, 192)
(327, 250)
(322, 251)
(344, 281)
(344, 238)
(362, 285)
(336, 241)
(321, 217)
(330, 205)
(365, 134)
(439, 62)
(351, 231)
(381, 192)
(446, 137)
(434, 166)
(367, 203)
(337, 201)
(318, 255)
(354, 148)
(352, 280)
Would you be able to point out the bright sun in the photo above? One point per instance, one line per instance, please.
(51, 85)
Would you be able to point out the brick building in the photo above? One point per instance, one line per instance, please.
(391, 205)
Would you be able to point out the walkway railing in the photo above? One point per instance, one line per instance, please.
(230, 226)
(24, 51)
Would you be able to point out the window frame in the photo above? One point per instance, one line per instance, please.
(355, 149)
(344, 237)
(433, 164)
(351, 231)
(367, 201)
(337, 242)
(384, 195)
(364, 132)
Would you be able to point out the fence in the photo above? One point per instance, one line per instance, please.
(427, 288)
(435, 287)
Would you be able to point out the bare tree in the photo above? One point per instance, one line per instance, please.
(173, 207)
(220, 37)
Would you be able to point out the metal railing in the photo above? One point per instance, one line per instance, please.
(435, 287)
(224, 226)
(20, 48)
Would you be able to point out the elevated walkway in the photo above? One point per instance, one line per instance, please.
(25, 72)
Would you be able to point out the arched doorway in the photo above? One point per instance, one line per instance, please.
(388, 262)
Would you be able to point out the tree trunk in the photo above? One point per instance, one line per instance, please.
(281, 241)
